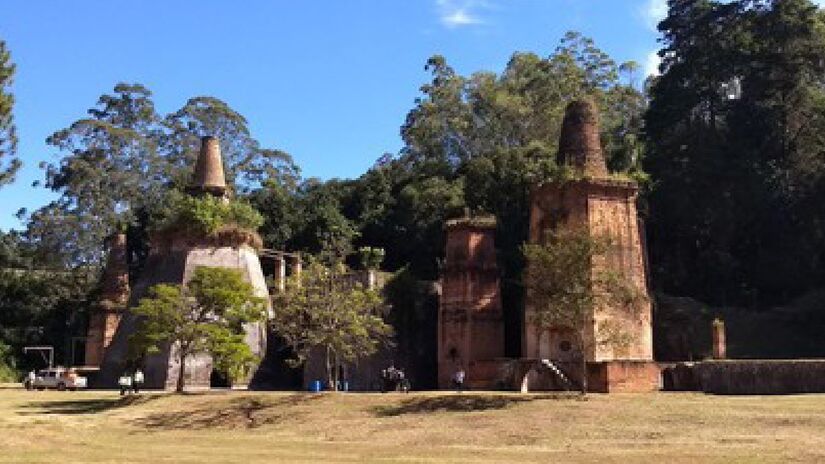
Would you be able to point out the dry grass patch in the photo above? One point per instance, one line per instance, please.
(420, 427)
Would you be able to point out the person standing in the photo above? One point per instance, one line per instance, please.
(125, 382)
(458, 379)
(30, 378)
(137, 380)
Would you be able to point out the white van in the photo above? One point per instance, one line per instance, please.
(57, 377)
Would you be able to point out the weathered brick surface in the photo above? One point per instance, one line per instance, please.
(579, 144)
(173, 259)
(209, 176)
(103, 322)
(470, 318)
(102, 328)
(604, 207)
(720, 349)
(174, 264)
(623, 376)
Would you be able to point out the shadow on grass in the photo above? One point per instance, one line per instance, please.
(237, 413)
(11, 386)
(91, 406)
(463, 403)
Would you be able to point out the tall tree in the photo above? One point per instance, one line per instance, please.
(482, 142)
(205, 316)
(735, 151)
(44, 307)
(567, 289)
(322, 310)
(117, 165)
(9, 163)
(247, 164)
(108, 174)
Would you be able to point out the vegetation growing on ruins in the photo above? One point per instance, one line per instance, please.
(121, 162)
(205, 316)
(206, 215)
(727, 141)
(568, 291)
(323, 310)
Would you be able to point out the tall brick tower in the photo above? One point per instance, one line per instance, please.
(604, 206)
(173, 258)
(209, 177)
(470, 318)
(103, 322)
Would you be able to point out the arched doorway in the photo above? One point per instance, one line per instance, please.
(559, 344)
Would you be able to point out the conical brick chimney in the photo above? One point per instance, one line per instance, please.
(104, 321)
(209, 176)
(579, 145)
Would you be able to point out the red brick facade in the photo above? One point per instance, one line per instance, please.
(104, 322)
(603, 206)
(470, 319)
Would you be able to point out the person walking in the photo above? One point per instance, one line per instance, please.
(137, 380)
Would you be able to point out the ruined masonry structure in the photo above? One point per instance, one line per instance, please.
(103, 322)
(172, 259)
(603, 206)
(470, 318)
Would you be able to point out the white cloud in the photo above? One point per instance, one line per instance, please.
(458, 13)
(654, 11)
(459, 17)
(652, 63)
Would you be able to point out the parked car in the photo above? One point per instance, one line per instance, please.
(56, 377)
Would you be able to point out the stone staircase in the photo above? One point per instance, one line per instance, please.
(558, 373)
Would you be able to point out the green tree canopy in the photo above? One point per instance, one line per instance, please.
(205, 316)
(9, 163)
(323, 309)
(735, 148)
(566, 288)
(117, 167)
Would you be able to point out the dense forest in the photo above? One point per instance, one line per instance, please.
(727, 142)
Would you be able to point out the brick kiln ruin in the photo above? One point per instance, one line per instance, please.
(104, 321)
(172, 259)
(470, 317)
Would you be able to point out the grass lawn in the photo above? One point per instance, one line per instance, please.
(242, 427)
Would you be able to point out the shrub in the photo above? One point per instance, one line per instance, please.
(206, 215)
(8, 372)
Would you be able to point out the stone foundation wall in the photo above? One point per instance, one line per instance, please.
(623, 377)
(747, 376)
(531, 375)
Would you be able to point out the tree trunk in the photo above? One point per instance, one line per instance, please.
(181, 373)
(330, 381)
(584, 372)
(336, 376)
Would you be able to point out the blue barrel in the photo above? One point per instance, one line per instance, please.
(315, 386)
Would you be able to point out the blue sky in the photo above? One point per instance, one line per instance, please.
(328, 81)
